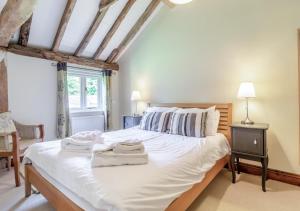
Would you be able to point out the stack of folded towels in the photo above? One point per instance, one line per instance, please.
(82, 141)
(129, 152)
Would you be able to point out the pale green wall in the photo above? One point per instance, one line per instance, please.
(200, 52)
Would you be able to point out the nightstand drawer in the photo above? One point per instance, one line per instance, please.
(250, 141)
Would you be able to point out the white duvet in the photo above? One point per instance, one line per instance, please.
(175, 164)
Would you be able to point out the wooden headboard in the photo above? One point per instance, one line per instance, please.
(224, 108)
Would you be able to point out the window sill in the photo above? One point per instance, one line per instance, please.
(91, 112)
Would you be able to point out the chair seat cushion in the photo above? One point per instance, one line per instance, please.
(6, 145)
(24, 144)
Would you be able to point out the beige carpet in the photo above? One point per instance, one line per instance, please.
(221, 195)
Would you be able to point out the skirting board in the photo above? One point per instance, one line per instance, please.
(281, 176)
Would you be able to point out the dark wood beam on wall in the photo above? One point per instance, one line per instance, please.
(93, 28)
(24, 32)
(114, 28)
(59, 57)
(3, 84)
(63, 24)
(12, 16)
(135, 29)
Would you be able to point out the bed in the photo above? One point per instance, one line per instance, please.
(159, 185)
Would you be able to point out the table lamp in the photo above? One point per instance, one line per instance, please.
(135, 97)
(247, 91)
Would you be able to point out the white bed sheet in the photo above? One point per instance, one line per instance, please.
(176, 163)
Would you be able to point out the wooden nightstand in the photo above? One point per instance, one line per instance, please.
(131, 121)
(250, 142)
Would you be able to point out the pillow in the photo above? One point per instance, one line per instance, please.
(6, 126)
(189, 124)
(213, 117)
(212, 123)
(6, 123)
(156, 121)
(161, 109)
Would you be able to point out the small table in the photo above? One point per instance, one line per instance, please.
(249, 142)
(131, 121)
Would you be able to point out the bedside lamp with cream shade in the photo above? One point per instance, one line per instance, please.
(247, 91)
(135, 97)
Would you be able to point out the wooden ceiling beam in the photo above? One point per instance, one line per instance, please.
(24, 32)
(63, 24)
(106, 4)
(12, 16)
(114, 28)
(168, 3)
(59, 57)
(3, 84)
(135, 29)
(93, 28)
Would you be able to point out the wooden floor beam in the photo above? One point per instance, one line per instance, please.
(59, 57)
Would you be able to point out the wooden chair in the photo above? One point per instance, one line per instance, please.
(12, 150)
(25, 136)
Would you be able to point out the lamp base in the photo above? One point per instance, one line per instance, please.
(247, 121)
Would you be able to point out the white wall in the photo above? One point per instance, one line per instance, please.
(32, 92)
(201, 51)
(32, 89)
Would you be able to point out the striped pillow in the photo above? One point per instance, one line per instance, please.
(189, 124)
(156, 121)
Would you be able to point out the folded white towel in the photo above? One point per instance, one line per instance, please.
(95, 135)
(70, 144)
(109, 158)
(82, 141)
(129, 148)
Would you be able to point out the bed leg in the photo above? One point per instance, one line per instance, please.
(27, 182)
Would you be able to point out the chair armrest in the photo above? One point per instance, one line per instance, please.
(15, 142)
(42, 131)
(29, 131)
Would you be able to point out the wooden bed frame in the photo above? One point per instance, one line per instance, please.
(62, 203)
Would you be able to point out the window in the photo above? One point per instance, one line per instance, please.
(84, 90)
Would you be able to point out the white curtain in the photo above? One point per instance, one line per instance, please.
(63, 116)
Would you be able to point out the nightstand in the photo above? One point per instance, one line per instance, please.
(131, 121)
(249, 142)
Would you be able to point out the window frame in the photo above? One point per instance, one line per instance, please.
(83, 75)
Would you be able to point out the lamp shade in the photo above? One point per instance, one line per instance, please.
(246, 90)
(135, 96)
(180, 1)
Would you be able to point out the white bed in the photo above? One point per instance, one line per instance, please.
(176, 163)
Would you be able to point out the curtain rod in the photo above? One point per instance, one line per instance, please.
(80, 68)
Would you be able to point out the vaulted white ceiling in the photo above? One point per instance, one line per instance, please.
(47, 15)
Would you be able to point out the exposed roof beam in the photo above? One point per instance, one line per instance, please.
(63, 24)
(3, 84)
(24, 32)
(59, 57)
(150, 9)
(12, 16)
(93, 28)
(168, 3)
(114, 28)
(106, 4)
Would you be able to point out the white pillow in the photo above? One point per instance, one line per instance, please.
(213, 117)
(161, 109)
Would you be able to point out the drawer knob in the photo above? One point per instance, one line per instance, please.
(255, 141)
